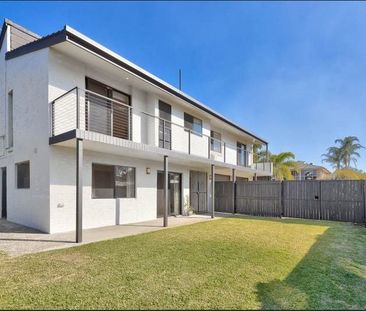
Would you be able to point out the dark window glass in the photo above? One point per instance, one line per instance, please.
(23, 175)
(106, 116)
(10, 120)
(103, 181)
(165, 126)
(193, 124)
(111, 181)
(242, 154)
(124, 182)
(215, 141)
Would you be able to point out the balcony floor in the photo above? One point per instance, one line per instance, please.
(117, 146)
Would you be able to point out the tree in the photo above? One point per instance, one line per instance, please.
(260, 154)
(348, 149)
(348, 174)
(333, 157)
(341, 156)
(283, 163)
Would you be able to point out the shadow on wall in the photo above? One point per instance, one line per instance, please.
(331, 276)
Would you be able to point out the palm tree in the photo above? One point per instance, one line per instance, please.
(283, 163)
(333, 157)
(341, 156)
(348, 148)
(260, 155)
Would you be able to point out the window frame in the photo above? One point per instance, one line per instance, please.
(165, 125)
(134, 181)
(243, 148)
(216, 142)
(109, 91)
(114, 166)
(189, 125)
(27, 185)
(10, 120)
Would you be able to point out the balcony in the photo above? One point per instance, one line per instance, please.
(88, 111)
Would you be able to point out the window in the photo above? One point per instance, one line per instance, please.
(10, 120)
(103, 181)
(193, 124)
(105, 116)
(165, 125)
(111, 181)
(215, 141)
(124, 182)
(23, 175)
(242, 154)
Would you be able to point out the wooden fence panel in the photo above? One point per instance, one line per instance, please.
(224, 191)
(343, 200)
(260, 198)
(301, 199)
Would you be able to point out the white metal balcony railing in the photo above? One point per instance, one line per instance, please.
(86, 110)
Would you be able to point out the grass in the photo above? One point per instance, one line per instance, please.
(224, 264)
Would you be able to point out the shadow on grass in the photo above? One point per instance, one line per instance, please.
(332, 275)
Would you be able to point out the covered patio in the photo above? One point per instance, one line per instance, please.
(17, 240)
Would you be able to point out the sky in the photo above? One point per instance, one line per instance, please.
(294, 73)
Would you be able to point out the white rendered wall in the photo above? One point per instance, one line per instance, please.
(3, 98)
(103, 212)
(66, 73)
(27, 76)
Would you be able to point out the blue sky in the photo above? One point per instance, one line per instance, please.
(292, 72)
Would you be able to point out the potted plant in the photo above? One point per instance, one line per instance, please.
(188, 210)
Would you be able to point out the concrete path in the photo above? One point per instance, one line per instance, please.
(16, 240)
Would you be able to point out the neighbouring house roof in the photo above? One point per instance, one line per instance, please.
(301, 165)
(68, 34)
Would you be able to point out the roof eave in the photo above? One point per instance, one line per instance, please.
(44, 42)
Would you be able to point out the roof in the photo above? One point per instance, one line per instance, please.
(71, 35)
(310, 166)
(7, 23)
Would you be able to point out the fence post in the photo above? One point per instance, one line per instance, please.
(233, 180)
(282, 199)
(320, 200)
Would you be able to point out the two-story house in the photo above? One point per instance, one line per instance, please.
(89, 139)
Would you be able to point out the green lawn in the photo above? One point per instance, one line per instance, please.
(223, 264)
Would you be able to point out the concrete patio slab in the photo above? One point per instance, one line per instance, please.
(17, 240)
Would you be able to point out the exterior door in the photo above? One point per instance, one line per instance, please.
(174, 193)
(3, 193)
(165, 126)
(198, 191)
